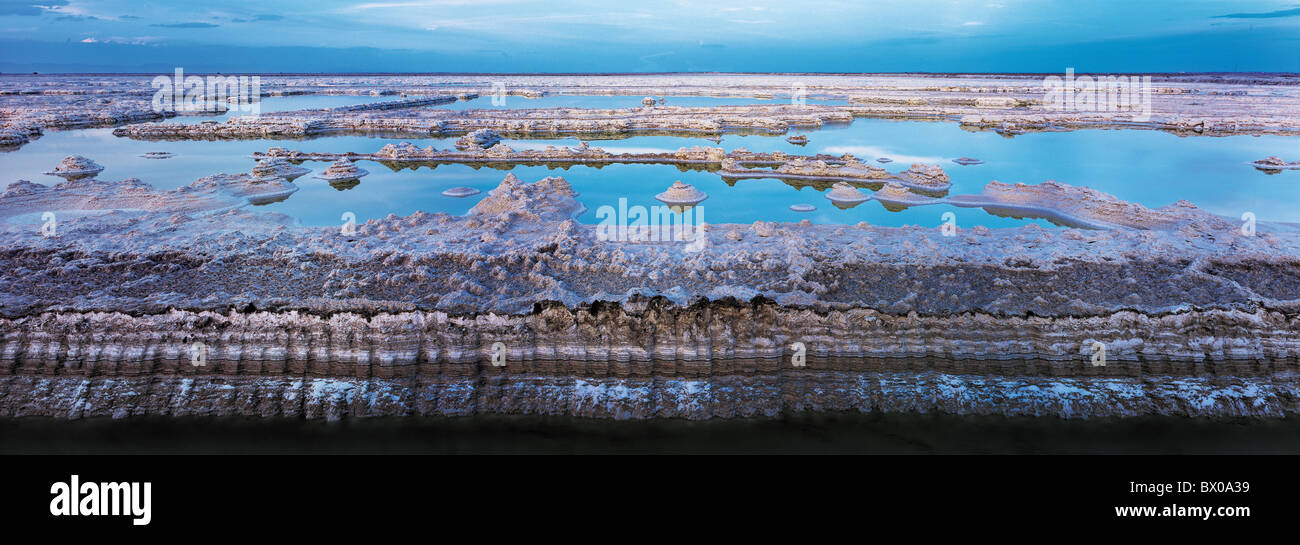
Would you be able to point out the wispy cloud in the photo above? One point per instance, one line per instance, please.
(872, 152)
(137, 40)
(185, 25)
(368, 6)
(29, 7)
(1293, 12)
(257, 18)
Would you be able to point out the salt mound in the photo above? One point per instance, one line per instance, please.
(275, 167)
(549, 199)
(844, 193)
(342, 169)
(898, 195)
(681, 194)
(481, 138)
(75, 167)
(928, 176)
(460, 192)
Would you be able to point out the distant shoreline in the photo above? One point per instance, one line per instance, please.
(927, 74)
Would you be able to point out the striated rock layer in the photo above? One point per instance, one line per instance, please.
(647, 358)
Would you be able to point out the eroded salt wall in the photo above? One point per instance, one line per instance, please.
(648, 358)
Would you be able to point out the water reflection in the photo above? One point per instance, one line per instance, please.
(1148, 167)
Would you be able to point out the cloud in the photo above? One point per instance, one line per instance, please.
(77, 18)
(1293, 12)
(258, 18)
(418, 4)
(870, 152)
(186, 25)
(906, 41)
(138, 40)
(28, 7)
(973, 23)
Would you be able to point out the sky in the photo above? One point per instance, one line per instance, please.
(150, 36)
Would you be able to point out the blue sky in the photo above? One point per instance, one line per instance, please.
(613, 36)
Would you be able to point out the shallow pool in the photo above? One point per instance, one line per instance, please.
(1150, 167)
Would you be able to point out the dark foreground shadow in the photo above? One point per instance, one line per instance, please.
(871, 433)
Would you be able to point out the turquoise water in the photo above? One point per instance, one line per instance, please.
(1149, 167)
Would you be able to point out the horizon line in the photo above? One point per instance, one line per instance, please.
(706, 72)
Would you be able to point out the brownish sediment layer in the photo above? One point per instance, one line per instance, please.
(645, 358)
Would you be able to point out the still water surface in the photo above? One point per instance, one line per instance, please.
(1149, 167)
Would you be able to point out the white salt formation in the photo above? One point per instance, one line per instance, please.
(478, 139)
(343, 169)
(1008, 104)
(896, 196)
(75, 167)
(844, 193)
(680, 194)
(1273, 162)
(278, 168)
(460, 192)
